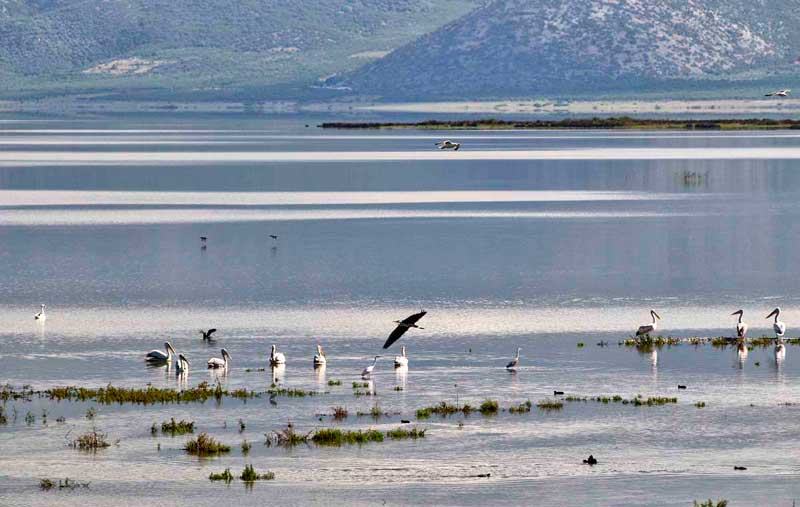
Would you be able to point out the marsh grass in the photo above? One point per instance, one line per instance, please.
(47, 484)
(700, 404)
(521, 408)
(443, 409)
(710, 503)
(246, 446)
(204, 445)
(147, 396)
(287, 437)
(337, 437)
(249, 474)
(91, 441)
(489, 407)
(174, 427)
(291, 393)
(359, 385)
(636, 401)
(226, 476)
(402, 433)
(332, 383)
(339, 413)
(398, 388)
(548, 405)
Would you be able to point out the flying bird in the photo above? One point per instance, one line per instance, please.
(741, 327)
(646, 329)
(778, 93)
(207, 334)
(448, 145)
(514, 362)
(403, 326)
(216, 363)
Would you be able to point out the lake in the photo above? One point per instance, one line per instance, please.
(548, 241)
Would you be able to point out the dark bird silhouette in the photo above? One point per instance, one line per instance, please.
(558, 393)
(273, 236)
(681, 386)
(739, 468)
(207, 334)
(203, 238)
(403, 326)
(590, 460)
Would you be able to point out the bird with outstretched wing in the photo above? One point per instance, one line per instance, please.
(403, 326)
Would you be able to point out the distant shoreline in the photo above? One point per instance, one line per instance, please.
(620, 123)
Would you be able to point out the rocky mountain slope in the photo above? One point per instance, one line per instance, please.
(523, 47)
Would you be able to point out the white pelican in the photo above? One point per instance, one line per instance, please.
(514, 362)
(156, 356)
(778, 326)
(368, 370)
(401, 360)
(741, 327)
(183, 364)
(779, 93)
(403, 326)
(646, 329)
(216, 362)
(41, 315)
(276, 357)
(319, 357)
(207, 334)
(447, 144)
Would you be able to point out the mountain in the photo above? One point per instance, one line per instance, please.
(512, 48)
(200, 48)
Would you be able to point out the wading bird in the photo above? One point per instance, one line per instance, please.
(41, 315)
(207, 334)
(319, 357)
(741, 327)
(215, 362)
(183, 364)
(778, 326)
(448, 145)
(157, 356)
(403, 326)
(514, 362)
(276, 357)
(401, 361)
(646, 329)
(368, 370)
(778, 93)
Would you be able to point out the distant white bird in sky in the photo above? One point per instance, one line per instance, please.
(447, 144)
(41, 315)
(779, 93)
(368, 370)
(646, 329)
(216, 363)
(515, 361)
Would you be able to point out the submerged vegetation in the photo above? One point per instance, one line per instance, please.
(521, 408)
(443, 409)
(637, 401)
(548, 405)
(91, 441)
(339, 413)
(226, 476)
(249, 474)
(402, 433)
(336, 437)
(710, 503)
(204, 445)
(67, 483)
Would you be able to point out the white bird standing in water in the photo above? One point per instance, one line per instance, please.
(741, 327)
(368, 370)
(156, 356)
(319, 357)
(646, 329)
(216, 363)
(778, 326)
(401, 360)
(41, 315)
(276, 357)
(514, 362)
(183, 364)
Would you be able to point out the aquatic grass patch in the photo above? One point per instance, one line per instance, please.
(149, 395)
(91, 441)
(402, 433)
(332, 383)
(225, 476)
(287, 437)
(489, 407)
(700, 404)
(204, 445)
(443, 409)
(710, 503)
(340, 413)
(174, 427)
(550, 405)
(291, 393)
(249, 474)
(521, 408)
(337, 437)
(67, 483)
(637, 401)
(246, 446)
(359, 385)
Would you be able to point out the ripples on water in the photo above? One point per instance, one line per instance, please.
(102, 222)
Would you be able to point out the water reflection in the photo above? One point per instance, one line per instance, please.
(278, 373)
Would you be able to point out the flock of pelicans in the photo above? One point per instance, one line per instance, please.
(169, 355)
(276, 358)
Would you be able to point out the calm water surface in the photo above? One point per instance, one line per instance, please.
(101, 221)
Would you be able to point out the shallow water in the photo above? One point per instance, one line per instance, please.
(541, 253)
